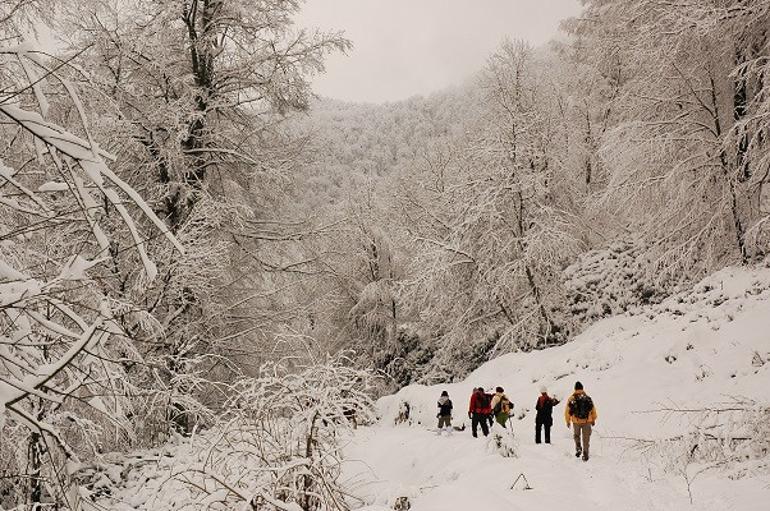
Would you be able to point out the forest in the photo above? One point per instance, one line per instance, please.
(194, 243)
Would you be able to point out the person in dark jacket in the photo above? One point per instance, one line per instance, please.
(444, 414)
(544, 417)
(478, 411)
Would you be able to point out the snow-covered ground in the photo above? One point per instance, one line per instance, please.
(653, 447)
(651, 375)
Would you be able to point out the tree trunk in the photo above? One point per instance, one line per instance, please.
(307, 482)
(740, 109)
(589, 150)
(729, 177)
(547, 326)
(34, 466)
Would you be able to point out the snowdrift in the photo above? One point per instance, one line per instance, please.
(681, 391)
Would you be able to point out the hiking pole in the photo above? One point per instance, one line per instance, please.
(522, 476)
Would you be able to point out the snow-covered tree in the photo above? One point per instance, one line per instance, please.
(680, 154)
(65, 215)
(192, 97)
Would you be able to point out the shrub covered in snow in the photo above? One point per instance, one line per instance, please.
(611, 281)
(731, 437)
(503, 442)
(276, 446)
(401, 361)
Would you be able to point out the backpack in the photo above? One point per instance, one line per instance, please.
(581, 406)
(502, 402)
(446, 408)
(484, 401)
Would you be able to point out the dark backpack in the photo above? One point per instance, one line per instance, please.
(581, 406)
(484, 400)
(446, 408)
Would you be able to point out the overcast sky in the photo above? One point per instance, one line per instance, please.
(408, 47)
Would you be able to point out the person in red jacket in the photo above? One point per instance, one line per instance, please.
(544, 417)
(478, 411)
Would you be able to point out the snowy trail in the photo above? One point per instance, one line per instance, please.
(707, 348)
(460, 472)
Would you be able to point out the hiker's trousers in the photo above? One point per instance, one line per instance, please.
(543, 425)
(477, 420)
(582, 432)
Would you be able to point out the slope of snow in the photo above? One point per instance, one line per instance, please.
(707, 348)
(650, 376)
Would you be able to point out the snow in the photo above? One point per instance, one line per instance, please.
(52, 134)
(140, 203)
(32, 383)
(14, 292)
(76, 268)
(7, 272)
(53, 186)
(149, 267)
(704, 348)
(439, 473)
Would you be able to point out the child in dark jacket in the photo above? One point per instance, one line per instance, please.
(444, 414)
(544, 417)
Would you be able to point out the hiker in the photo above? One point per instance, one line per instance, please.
(501, 406)
(490, 415)
(581, 413)
(544, 417)
(478, 411)
(444, 414)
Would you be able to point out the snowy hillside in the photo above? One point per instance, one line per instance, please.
(682, 397)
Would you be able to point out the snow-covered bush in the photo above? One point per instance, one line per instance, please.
(277, 445)
(503, 442)
(733, 437)
(403, 361)
(611, 281)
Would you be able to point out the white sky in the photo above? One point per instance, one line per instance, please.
(408, 47)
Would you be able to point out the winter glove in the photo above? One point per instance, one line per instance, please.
(470, 415)
(438, 415)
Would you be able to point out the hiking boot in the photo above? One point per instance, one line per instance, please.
(585, 457)
(578, 453)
